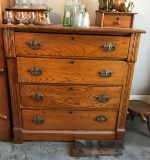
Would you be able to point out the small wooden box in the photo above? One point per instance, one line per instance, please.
(115, 19)
(92, 148)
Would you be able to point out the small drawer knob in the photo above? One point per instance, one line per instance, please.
(37, 97)
(101, 119)
(103, 98)
(38, 120)
(35, 71)
(34, 44)
(105, 73)
(108, 47)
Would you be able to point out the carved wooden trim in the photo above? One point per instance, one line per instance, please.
(125, 97)
(9, 42)
(133, 49)
(14, 92)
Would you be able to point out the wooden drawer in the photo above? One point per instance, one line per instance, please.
(109, 19)
(78, 97)
(69, 120)
(67, 45)
(70, 71)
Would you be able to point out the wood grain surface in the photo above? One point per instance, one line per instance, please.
(71, 71)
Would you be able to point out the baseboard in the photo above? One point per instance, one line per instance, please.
(145, 98)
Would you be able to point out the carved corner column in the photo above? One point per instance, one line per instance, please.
(9, 45)
(131, 59)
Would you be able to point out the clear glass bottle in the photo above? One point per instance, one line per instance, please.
(24, 4)
(68, 14)
(75, 12)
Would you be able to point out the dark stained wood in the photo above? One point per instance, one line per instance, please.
(5, 112)
(88, 148)
(72, 71)
(141, 109)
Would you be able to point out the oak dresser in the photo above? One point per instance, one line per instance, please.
(70, 83)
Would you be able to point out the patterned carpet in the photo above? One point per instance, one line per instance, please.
(137, 147)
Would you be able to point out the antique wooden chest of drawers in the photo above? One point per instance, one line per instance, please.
(70, 83)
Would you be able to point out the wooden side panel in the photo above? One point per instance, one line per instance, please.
(9, 42)
(5, 123)
(134, 46)
(14, 93)
(124, 101)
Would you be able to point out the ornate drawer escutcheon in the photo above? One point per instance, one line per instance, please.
(34, 44)
(105, 73)
(38, 120)
(35, 71)
(101, 119)
(109, 47)
(103, 98)
(37, 97)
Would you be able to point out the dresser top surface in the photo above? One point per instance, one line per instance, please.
(60, 29)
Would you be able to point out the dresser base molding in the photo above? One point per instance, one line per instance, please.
(66, 135)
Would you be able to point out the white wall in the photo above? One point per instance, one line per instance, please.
(141, 80)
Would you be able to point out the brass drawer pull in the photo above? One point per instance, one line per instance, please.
(3, 117)
(105, 73)
(35, 71)
(101, 119)
(109, 47)
(38, 120)
(37, 97)
(103, 98)
(34, 44)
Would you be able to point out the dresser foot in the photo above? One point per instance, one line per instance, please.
(120, 134)
(18, 137)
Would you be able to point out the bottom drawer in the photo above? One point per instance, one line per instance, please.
(69, 120)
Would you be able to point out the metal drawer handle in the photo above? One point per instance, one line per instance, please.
(38, 120)
(34, 44)
(37, 97)
(109, 47)
(3, 117)
(103, 98)
(105, 73)
(101, 119)
(35, 71)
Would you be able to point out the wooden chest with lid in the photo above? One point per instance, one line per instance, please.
(70, 83)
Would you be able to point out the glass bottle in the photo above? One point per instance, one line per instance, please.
(16, 4)
(68, 14)
(24, 4)
(75, 12)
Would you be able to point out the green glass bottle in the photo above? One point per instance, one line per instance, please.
(68, 14)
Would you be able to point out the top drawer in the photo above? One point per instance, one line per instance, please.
(68, 45)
